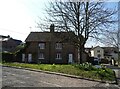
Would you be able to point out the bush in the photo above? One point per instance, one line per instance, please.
(104, 61)
(85, 70)
(105, 74)
(85, 66)
(7, 57)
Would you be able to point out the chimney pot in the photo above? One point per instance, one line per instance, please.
(52, 28)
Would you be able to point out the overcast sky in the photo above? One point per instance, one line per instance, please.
(18, 17)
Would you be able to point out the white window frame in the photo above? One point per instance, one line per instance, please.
(41, 56)
(42, 45)
(58, 56)
(58, 45)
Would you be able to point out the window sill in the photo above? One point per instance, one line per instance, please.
(41, 58)
(58, 58)
(58, 48)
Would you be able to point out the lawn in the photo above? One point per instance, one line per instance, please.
(83, 70)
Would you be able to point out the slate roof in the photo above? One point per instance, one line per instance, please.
(38, 36)
(106, 49)
(109, 49)
(7, 38)
(96, 47)
(48, 36)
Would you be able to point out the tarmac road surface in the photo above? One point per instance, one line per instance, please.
(13, 77)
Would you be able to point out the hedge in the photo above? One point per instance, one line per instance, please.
(7, 57)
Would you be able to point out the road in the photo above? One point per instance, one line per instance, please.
(117, 71)
(13, 77)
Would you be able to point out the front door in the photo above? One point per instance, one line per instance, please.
(29, 57)
(23, 57)
(70, 60)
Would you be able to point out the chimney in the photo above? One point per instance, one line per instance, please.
(52, 28)
(8, 36)
(92, 47)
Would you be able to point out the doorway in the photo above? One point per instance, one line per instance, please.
(70, 60)
(23, 57)
(29, 58)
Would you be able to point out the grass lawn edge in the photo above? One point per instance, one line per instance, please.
(58, 73)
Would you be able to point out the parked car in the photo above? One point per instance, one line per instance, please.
(96, 63)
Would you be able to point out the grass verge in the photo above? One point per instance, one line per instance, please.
(85, 71)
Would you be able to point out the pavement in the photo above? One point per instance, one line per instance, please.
(15, 77)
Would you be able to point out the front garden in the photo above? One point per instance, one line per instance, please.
(85, 70)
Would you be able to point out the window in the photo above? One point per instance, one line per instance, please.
(98, 51)
(42, 45)
(58, 45)
(58, 56)
(98, 55)
(115, 52)
(41, 56)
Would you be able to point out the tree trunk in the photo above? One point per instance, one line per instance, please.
(80, 53)
(119, 59)
(81, 56)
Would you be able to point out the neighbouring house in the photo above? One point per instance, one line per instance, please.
(50, 47)
(8, 44)
(97, 52)
(111, 53)
(108, 53)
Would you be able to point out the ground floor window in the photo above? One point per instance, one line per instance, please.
(58, 56)
(41, 56)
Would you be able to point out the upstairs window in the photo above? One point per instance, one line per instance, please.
(98, 51)
(42, 45)
(58, 45)
(58, 56)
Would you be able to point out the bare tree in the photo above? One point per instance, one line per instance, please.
(112, 38)
(85, 19)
